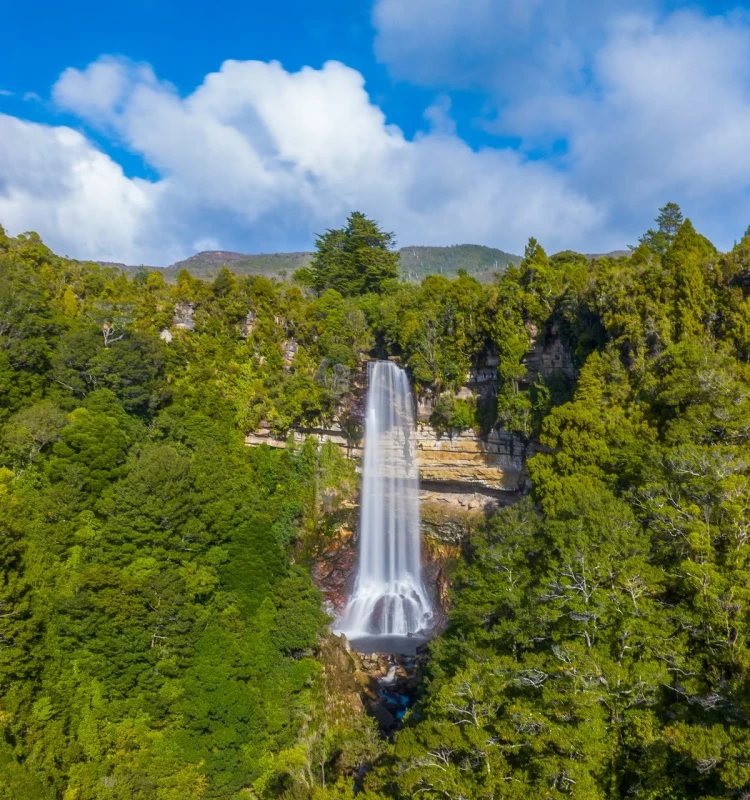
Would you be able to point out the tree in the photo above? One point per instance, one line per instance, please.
(668, 221)
(32, 428)
(355, 259)
(224, 283)
(70, 303)
(542, 281)
(689, 262)
(159, 631)
(131, 366)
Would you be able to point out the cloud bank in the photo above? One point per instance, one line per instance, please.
(258, 154)
(616, 113)
(635, 107)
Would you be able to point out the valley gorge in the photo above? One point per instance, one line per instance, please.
(464, 477)
(181, 492)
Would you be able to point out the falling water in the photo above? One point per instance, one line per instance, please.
(389, 598)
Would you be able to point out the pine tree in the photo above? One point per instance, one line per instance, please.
(687, 260)
(356, 259)
(669, 220)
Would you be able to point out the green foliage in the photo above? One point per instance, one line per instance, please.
(31, 429)
(598, 644)
(482, 263)
(453, 414)
(417, 262)
(669, 221)
(541, 281)
(158, 626)
(437, 328)
(356, 259)
(155, 640)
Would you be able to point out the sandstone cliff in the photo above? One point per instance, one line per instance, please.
(463, 476)
(465, 471)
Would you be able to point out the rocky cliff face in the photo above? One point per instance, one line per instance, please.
(463, 476)
(464, 471)
(382, 685)
(470, 471)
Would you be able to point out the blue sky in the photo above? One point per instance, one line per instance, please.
(145, 131)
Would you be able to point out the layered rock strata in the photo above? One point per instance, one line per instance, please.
(464, 471)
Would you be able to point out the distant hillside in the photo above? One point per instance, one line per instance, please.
(206, 265)
(611, 254)
(480, 261)
(416, 262)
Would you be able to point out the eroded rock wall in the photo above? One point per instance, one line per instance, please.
(471, 471)
(464, 471)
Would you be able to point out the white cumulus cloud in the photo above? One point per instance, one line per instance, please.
(53, 180)
(651, 105)
(259, 158)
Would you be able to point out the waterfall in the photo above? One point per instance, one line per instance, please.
(388, 598)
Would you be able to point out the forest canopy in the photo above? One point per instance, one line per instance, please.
(160, 635)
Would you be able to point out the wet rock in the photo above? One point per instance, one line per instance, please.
(411, 682)
(386, 721)
(396, 678)
(368, 684)
(439, 524)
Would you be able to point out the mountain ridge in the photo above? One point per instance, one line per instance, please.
(417, 261)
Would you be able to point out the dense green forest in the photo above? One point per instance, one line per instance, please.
(207, 265)
(159, 631)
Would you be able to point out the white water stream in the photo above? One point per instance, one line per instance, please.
(389, 598)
